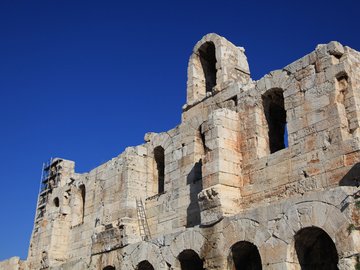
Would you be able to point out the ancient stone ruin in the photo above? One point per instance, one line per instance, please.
(258, 175)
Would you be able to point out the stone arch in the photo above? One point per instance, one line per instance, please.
(190, 260)
(160, 148)
(244, 255)
(243, 230)
(148, 252)
(161, 139)
(315, 249)
(280, 80)
(214, 64)
(321, 215)
(190, 239)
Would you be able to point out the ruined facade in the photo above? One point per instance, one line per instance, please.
(258, 175)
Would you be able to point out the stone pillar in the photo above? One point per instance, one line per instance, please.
(221, 167)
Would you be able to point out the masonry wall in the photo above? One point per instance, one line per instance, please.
(230, 179)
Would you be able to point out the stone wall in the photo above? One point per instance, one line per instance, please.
(255, 171)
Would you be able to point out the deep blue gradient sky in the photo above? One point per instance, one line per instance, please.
(84, 79)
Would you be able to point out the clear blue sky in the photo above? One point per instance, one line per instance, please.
(84, 79)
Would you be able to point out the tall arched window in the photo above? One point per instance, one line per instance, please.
(315, 249)
(208, 64)
(274, 109)
(144, 265)
(190, 260)
(245, 256)
(159, 156)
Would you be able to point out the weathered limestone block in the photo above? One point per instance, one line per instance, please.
(217, 202)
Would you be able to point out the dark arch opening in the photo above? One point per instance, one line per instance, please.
(190, 260)
(245, 256)
(56, 202)
(109, 267)
(83, 194)
(159, 155)
(208, 63)
(315, 250)
(144, 265)
(274, 109)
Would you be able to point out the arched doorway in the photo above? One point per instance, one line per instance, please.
(144, 265)
(315, 250)
(244, 256)
(190, 260)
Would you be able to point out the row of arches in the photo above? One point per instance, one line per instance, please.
(189, 260)
(314, 249)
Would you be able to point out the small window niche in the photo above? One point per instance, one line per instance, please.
(159, 172)
(275, 114)
(56, 202)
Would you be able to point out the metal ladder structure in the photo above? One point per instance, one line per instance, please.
(50, 176)
(143, 225)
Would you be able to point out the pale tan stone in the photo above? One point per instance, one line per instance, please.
(223, 183)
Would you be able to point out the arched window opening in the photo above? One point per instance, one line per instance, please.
(159, 155)
(315, 249)
(245, 256)
(109, 267)
(190, 260)
(274, 109)
(56, 202)
(208, 64)
(144, 265)
(83, 194)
